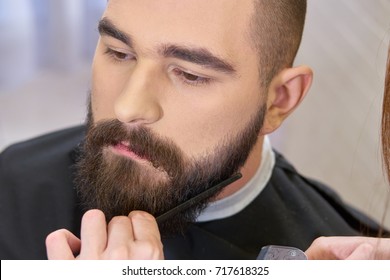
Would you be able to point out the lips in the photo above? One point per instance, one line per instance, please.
(124, 149)
(138, 144)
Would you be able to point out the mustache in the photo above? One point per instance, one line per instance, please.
(162, 153)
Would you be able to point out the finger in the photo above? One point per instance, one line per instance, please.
(93, 234)
(364, 251)
(372, 249)
(355, 246)
(62, 245)
(320, 249)
(144, 225)
(120, 238)
(146, 235)
(382, 248)
(337, 247)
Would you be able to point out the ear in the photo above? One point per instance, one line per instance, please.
(285, 93)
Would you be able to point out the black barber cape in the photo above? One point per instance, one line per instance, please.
(37, 197)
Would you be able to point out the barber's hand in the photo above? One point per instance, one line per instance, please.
(349, 248)
(133, 237)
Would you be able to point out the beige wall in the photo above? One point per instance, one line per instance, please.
(334, 135)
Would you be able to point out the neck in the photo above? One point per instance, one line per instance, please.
(248, 170)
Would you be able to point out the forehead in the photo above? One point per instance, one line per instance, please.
(221, 26)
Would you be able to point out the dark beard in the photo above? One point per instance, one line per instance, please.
(118, 185)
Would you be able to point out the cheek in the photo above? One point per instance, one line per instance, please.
(202, 125)
(106, 87)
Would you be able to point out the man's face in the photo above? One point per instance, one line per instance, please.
(178, 74)
(166, 80)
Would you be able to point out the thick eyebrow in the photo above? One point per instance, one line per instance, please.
(106, 27)
(200, 56)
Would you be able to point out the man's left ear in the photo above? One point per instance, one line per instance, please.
(286, 91)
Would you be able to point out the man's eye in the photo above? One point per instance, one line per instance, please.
(118, 56)
(190, 78)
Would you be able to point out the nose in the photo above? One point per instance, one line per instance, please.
(138, 102)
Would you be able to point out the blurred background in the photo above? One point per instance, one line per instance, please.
(46, 48)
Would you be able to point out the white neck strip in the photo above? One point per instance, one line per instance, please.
(236, 202)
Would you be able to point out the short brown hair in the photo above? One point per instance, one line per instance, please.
(276, 31)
